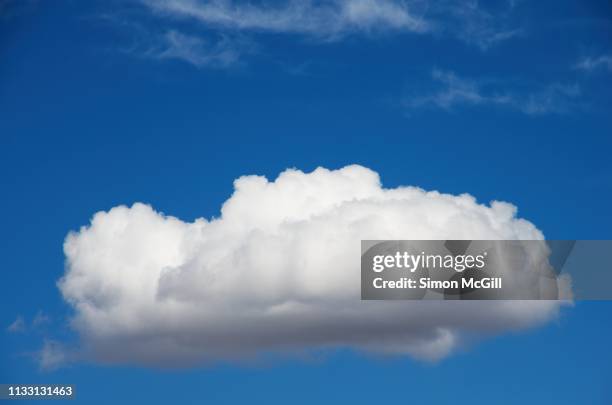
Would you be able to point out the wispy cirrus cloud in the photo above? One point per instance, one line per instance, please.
(335, 19)
(221, 32)
(555, 98)
(321, 19)
(455, 91)
(593, 63)
(199, 51)
(202, 50)
(471, 23)
(20, 325)
(190, 28)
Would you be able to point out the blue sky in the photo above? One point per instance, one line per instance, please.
(108, 103)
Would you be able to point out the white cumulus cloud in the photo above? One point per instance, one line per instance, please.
(277, 272)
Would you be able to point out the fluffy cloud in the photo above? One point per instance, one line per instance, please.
(277, 272)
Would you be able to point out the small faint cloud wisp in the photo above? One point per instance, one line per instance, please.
(41, 319)
(593, 63)
(17, 326)
(20, 325)
(455, 91)
(52, 356)
(199, 51)
(471, 23)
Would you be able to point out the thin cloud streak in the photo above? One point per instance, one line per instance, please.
(334, 19)
(470, 23)
(589, 64)
(330, 19)
(455, 91)
(198, 51)
(21, 325)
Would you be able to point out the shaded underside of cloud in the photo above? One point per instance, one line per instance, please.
(277, 272)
